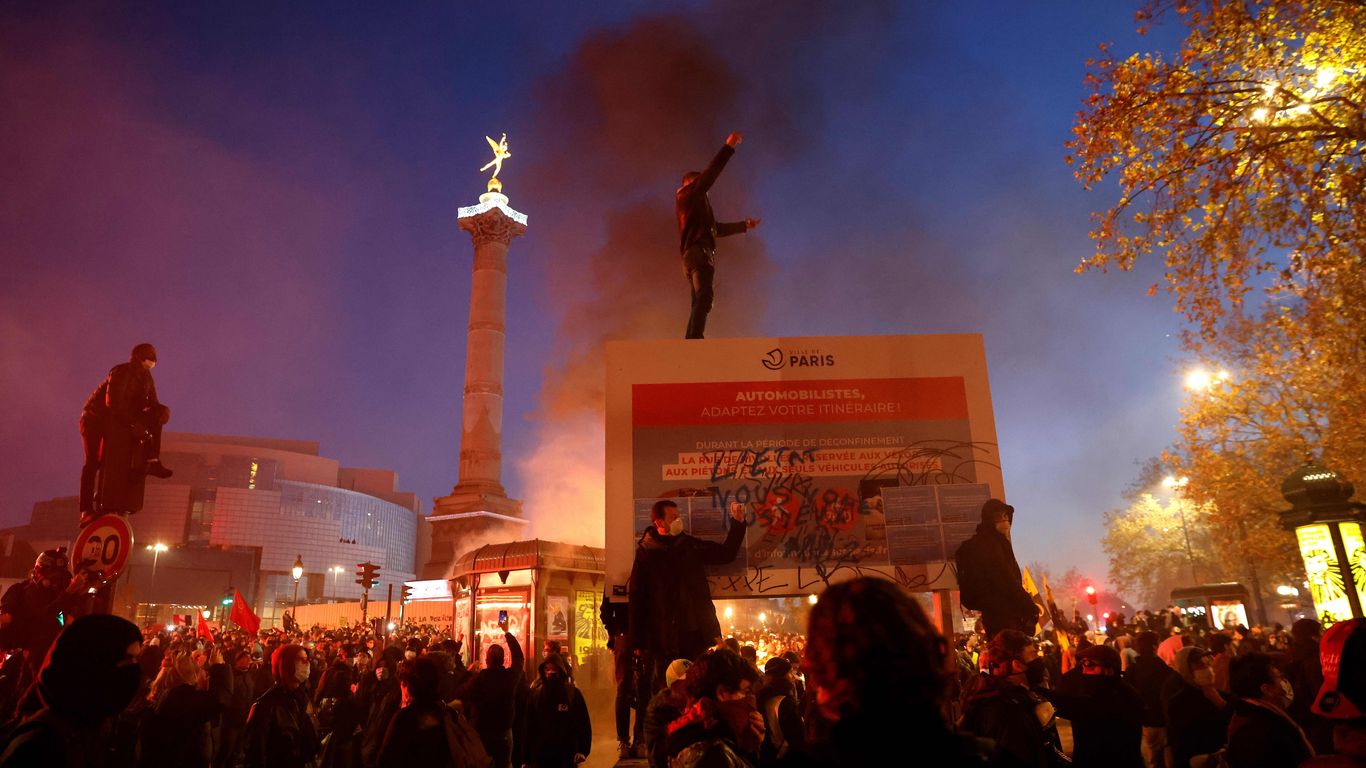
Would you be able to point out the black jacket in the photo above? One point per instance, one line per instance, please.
(988, 562)
(557, 725)
(1195, 725)
(1007, 714)
(32, 609)
(416, 736)
(1107, 720)
(787, 727)
(697, 227)
(491, 698)
(280, 733)
(671, 613)
(1262, 738)
(234, 690)
(1148, 674)
(176, 734)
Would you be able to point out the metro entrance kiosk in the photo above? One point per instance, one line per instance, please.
(854, 456)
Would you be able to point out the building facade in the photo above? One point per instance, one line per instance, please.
(280, 501)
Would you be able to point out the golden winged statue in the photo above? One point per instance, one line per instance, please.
(500, 153)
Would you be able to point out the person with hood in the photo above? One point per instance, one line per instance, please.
(666, 707)
(32, 611)
(1305, 672)
(1106, 713)
(233, 685)
(671, 614)
(280, 731)
(559, 731)
(417, 735)
(999, 705)
(1148, 674)
(121, 435)
(176, 735)
(1197, 713)
(784, 731)
(722, 721)
(491, 698)
(1261, 733)
(698, 230)
(989, 577)
(88, 678)
(385, 699)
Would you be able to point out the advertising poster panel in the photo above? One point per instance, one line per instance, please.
(494, 601)
(850, 455)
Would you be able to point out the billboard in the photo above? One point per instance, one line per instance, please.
(851, 455)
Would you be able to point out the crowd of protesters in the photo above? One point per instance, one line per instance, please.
(872, 680)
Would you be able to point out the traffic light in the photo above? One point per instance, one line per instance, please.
(227, 597)
(1091, 594)
(367, 575)
(405, 594)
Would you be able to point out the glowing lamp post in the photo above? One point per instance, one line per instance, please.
(336, 569)
(298, 573)
(1327, 525)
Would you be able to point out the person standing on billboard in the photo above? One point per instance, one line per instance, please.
(671, 614)
(698, 230)
(989, 577)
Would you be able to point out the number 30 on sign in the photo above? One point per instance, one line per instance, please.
(103, 545)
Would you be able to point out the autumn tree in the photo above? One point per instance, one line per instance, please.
(1237, 161)
(1156, 545)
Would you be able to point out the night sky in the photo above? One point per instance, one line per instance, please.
(267, 192)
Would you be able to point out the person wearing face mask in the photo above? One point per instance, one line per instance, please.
(385, 699)
(1197, 713)
(280, 732)
(722, 721)
(558, 729)
(1106, 713)
(121, 435)
(30, 609)
(1000, 706)
(1261, 733)
(671, 615)
(233, 685)
(989, 578)
(89, 677)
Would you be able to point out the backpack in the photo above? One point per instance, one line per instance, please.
(467, 751)
(773, 731)
(972, 593)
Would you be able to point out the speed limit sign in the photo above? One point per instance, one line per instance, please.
(103, 546)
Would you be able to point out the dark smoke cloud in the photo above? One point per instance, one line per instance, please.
(634, 108)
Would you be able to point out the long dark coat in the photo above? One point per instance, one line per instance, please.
(672, 615)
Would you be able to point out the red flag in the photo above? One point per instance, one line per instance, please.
(204, 630)
(242, 616)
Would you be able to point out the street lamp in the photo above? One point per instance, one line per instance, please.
(298, 573)
(336, 569)
(1327, 525)
(156, 549)
(1175, 484)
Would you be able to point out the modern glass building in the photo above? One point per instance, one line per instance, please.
(284, 499)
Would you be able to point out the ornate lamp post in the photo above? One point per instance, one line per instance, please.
(298, 573)
(1327, 525)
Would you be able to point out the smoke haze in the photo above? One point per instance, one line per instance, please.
(634, 109)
